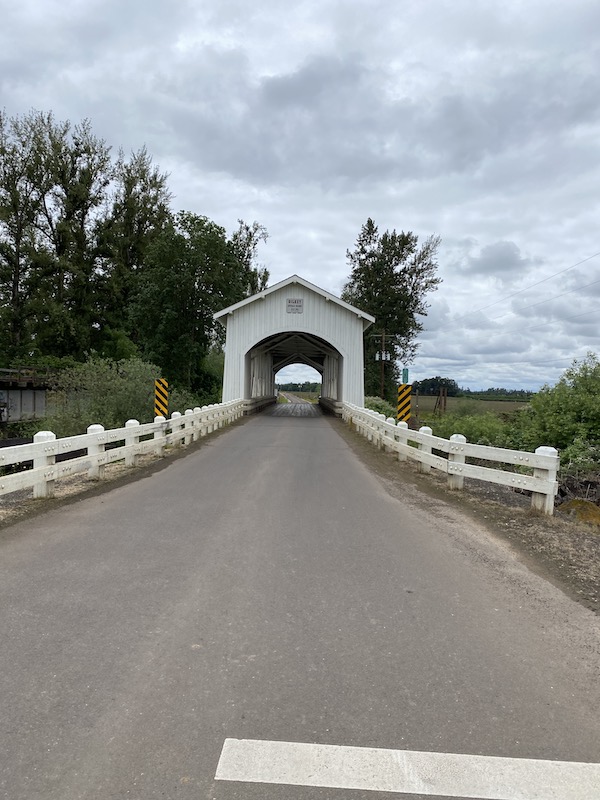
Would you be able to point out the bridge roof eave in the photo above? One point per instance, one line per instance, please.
(221, 316)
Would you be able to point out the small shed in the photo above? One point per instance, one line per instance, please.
(294, 322)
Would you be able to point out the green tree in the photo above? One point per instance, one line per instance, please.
(433, 386)
(22, 184)
(390, 278)
(53, 184)
(80, 168)
(244, 242)
(139, 213)
(191, 272)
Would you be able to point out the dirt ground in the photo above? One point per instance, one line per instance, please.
(560, 548)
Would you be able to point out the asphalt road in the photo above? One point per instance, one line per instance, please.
(266, 587)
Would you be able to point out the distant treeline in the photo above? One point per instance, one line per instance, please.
(299, 387)
(432, 386)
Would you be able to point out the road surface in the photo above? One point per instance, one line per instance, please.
(264, 598)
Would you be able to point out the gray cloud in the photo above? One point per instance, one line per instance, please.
(480, 122)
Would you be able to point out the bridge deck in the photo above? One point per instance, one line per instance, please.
(268, 587)
(304, 409)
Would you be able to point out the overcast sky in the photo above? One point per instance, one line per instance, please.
(477, 121)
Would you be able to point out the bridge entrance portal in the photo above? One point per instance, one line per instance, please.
(289, 323)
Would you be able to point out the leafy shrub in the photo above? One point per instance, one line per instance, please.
(580, 458)
(571, 409)
(478, 428)
(381, 406)
(107, 392)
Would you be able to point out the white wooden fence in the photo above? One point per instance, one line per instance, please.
(137, 439)
(537, 471)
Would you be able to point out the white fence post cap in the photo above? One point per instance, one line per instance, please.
(131, 423)
(546, 451)
(176, 415)
(426, 430)
(458, 437)
(402, 425)
(44, 436)
(159, 418)
(95, 429)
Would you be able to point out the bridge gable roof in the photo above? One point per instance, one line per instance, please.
(221, 316)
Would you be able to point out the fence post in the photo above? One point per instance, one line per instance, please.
(425, 447)
(159, 435)
(379, 430)
(95, 448)
(390, 421)
(44, 487)
(404, 426)
(204, 421)
(545, 502)
(456, 456)
(132, 458)
(188, 426)
(197, 423)
(176, 427)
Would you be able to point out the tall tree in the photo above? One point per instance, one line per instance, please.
(245, 241)
(21, 180)
(80, 169)
(390, 278)
(140, 211)
(191, 272)
(53, 180)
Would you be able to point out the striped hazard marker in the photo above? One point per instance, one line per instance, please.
(404, 398)
(161, 398)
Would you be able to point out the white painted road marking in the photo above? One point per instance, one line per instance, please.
(406, 771)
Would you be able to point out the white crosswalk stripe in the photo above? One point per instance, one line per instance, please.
(404, 771)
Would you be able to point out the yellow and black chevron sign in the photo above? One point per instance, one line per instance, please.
(404, 392)
(161, 398)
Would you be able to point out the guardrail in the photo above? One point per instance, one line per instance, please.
(138, 439)
(537, 471)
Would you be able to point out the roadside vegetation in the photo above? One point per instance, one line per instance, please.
(565, 416)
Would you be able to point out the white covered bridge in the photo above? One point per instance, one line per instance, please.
(294, 322)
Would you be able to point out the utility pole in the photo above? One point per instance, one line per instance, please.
(382, 356)
(382, 364)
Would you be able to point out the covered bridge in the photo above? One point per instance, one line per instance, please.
(294, 322)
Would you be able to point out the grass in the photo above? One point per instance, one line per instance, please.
(425, 405)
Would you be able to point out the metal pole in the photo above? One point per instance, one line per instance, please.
(382, 362)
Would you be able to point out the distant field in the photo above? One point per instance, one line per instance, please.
(425, 404)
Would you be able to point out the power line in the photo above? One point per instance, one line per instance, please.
(552, 322)
(526, 288)
(541, 302)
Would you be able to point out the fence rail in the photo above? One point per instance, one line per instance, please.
(537, 471)
(137, 439)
